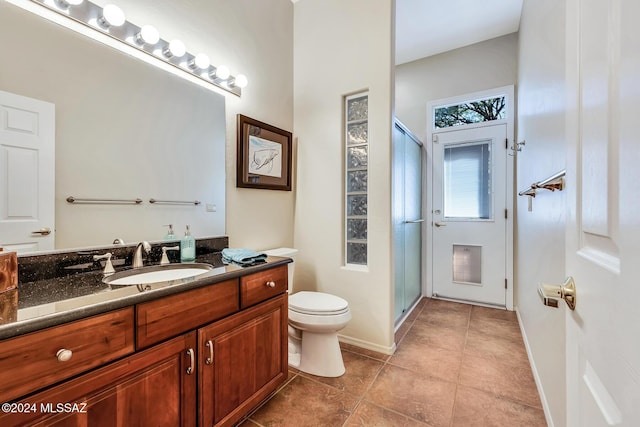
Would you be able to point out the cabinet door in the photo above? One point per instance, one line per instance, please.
(242, 360)
(151, 388)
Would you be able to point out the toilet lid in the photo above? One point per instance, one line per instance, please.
(317, 303)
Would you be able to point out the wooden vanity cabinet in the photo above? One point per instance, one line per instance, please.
(242, 359)
(202, 358)
(150, 388)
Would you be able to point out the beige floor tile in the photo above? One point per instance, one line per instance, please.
(367, 415)
(497, 328)
(450, 318)
(439, 336)
(489, 346)
(360, 371)
(413, 394)
(514, 382)
(439, 304)
(476, 408)
(306, 403)
(493, 313)
(415, 354)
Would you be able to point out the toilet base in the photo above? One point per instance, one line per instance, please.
(321, 355)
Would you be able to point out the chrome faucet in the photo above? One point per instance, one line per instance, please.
(137, 254)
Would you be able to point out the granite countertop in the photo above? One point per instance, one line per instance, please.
(53, 301)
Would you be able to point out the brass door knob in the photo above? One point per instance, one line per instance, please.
(552, 294)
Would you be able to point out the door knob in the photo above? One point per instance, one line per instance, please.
(552, 294)
(440, 224)
(43, 231)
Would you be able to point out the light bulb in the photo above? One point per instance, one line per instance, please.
(73, 2)
(222, 72)
(240, 81)
(201, 61)
(176, 48)
(111, 15)
(148, 34)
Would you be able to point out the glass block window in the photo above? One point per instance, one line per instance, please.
(484, 110)
(356, 177)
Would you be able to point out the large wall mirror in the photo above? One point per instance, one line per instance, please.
(124, 130)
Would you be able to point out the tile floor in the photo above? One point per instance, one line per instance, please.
(455, 365)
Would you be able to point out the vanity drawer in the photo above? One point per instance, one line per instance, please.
(260, 286)
(171, 316)
(36, 360)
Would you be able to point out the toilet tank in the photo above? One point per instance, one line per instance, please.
(288, 253)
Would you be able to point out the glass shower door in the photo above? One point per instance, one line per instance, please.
(408, 220)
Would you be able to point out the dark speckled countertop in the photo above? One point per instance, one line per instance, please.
(49, 301)
(98, 298)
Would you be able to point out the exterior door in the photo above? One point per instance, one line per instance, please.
(408, 219)
(603, 225)
(27, 168)
(469, 225)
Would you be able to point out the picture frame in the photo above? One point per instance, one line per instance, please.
(264, 155)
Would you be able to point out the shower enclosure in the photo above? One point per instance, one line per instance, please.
(408, 220)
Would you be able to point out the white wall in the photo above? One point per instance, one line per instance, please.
(138, 158)
(484, 65)
(341, 48)
(540, 233)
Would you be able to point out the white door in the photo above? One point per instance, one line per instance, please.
(27, 173)
(469, 225)
(603, 225)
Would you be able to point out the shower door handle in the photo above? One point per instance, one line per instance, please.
(415, 221)
(440, 224)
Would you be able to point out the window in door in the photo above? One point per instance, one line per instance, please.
(467, 181)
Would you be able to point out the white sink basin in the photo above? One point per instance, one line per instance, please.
(157, 274)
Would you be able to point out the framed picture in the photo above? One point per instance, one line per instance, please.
(264, 155)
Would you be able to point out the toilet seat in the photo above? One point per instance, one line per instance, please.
(317, 303)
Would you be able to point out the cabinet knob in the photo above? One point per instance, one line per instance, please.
(63, 355)
(271, 284)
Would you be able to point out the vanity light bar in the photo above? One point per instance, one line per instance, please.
(111, 21)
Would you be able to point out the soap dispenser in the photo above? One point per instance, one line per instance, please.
(170, 234)
(187, 247)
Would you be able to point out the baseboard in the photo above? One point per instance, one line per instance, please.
(536, 377)
(367, 345)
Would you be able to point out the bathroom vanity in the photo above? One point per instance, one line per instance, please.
(203, 351)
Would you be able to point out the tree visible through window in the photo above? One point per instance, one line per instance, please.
(485, 110)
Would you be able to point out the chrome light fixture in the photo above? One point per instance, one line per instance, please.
(109, 23)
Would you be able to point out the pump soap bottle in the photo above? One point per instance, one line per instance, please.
(170, 234)
(187, 247)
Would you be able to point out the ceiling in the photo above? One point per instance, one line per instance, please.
(429, 27)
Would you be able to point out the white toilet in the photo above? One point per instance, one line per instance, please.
(314, 321)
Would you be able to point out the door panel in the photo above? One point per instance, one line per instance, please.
(27, 187)
(603, 346)
(469, 225)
